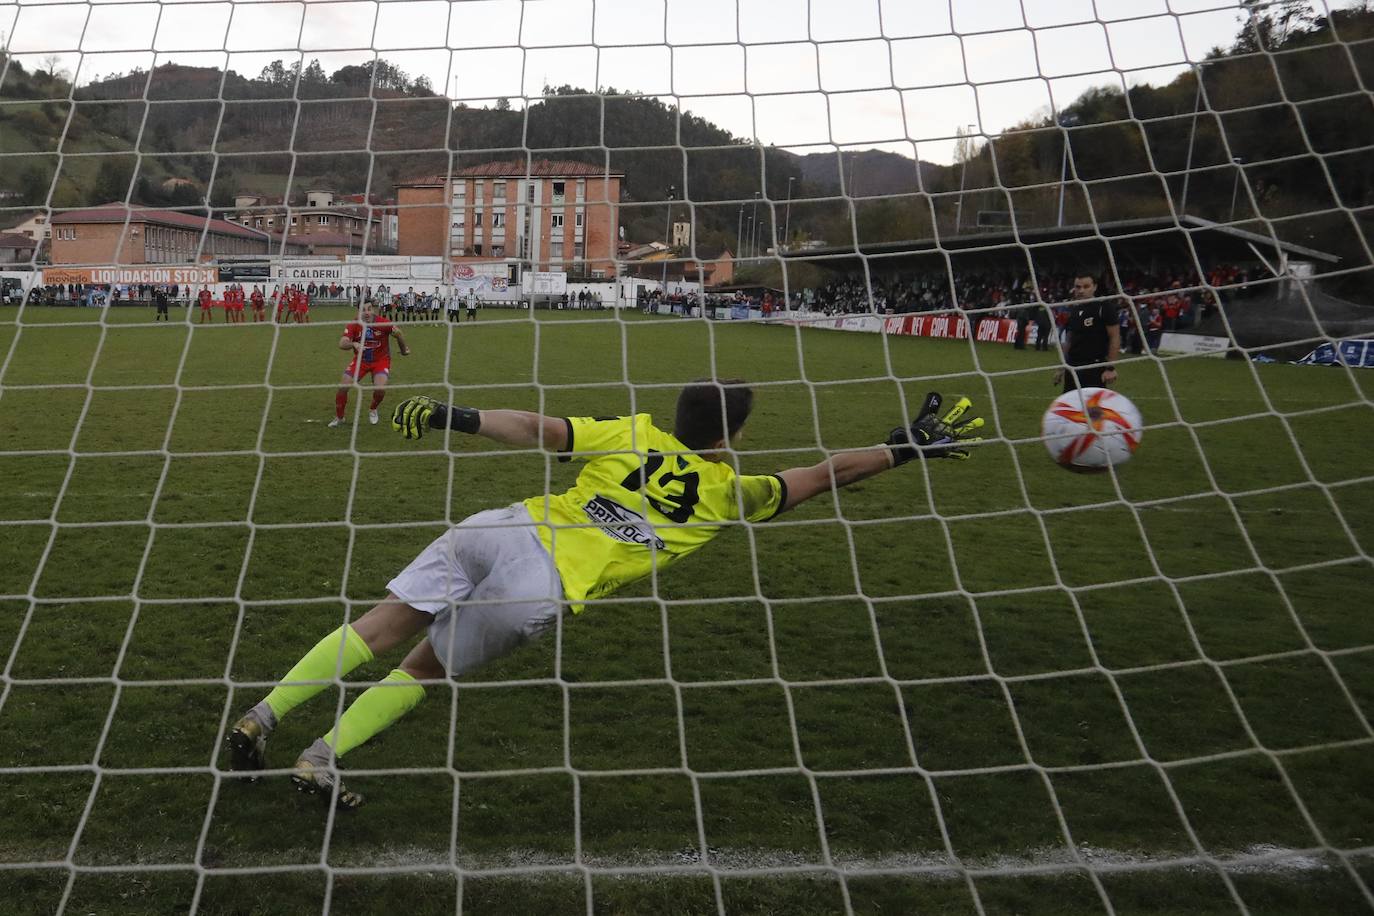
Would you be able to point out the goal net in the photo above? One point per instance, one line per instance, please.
(959, 686)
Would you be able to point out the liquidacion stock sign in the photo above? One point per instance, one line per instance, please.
(131, 275)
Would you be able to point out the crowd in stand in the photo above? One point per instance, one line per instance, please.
(1176, 292)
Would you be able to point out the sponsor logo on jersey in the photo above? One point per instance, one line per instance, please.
(622, 524)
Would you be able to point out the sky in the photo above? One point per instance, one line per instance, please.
(808, 75)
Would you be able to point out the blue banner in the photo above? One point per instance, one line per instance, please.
(1357, 353)
(739, 311)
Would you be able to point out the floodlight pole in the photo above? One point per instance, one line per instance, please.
(787, 221)
(963, 178)
(1192, 137)
(668, 236)
(1064, 122)
(739, 234)
(1235, 187)
(754, 227)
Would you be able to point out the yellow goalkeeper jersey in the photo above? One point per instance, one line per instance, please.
(643, 501)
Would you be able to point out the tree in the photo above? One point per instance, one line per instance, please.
(34, 182)
(112, 181)
(503, 104)
(966, 146)
(1270, 23)
(314, 74)
(353, 76)
(274, 74)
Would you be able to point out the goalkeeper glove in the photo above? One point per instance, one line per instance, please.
(413, 416)
(934, 436)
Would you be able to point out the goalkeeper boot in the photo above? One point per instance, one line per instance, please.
(248, 740)
(314, 775)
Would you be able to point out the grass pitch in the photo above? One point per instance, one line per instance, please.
(982, 685)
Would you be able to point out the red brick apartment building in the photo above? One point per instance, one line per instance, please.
(118, 234)
(544, 214)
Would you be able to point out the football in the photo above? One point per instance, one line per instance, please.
(1092, 429)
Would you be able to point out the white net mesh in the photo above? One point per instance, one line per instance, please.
(985, 686)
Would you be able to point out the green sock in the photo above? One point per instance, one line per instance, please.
(375, 711)
(334, 656)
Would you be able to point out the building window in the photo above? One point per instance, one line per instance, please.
(556, 250)
(477, 250)
(293, 220)
(578, 220)
(529, 192)
(556, 221)
(324, 221)
(498, 220)
(498, 251)
(579, 251)
(498, 189)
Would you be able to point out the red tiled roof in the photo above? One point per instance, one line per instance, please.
(118, 213)
(517, 168)
(15, 240)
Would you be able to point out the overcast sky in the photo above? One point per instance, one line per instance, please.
(903, 75)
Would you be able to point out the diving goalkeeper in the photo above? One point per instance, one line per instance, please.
(645, 499)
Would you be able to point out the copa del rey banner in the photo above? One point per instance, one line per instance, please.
(925, 324)
(996, 330)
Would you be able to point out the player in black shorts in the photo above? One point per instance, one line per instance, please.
(1092, 339)
(160, 300)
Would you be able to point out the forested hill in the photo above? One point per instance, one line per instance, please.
(331, 120)
(1286, 99)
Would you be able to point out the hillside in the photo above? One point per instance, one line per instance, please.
(1302, 118)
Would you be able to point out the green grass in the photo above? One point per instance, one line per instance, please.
(991, 666)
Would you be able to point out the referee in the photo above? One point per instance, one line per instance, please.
(1092, 339)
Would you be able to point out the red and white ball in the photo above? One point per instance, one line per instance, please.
(1092, 429)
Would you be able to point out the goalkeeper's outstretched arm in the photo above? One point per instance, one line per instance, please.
(521, 428)
(930, 435)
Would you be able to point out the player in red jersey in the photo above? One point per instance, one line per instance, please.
(279, 302)
(300, 306)
(233, 305)
(369, 339)
(207, 303)
(259, 305)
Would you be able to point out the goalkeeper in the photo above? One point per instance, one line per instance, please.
(645, 499)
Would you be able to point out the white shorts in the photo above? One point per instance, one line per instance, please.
(490, 584)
